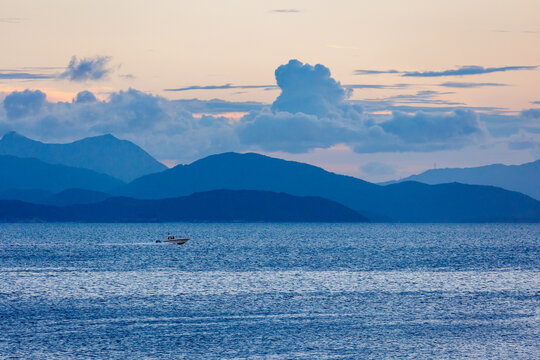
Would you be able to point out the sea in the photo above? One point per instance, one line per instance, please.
(270, 291)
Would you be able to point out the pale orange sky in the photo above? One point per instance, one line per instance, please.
(170, 44)
(175, 43)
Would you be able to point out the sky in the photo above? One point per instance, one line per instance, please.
(374, 89)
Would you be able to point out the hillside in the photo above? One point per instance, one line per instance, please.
(222, 205)
(523, 178)
(400, 202)
(31, 174)
(104, 154)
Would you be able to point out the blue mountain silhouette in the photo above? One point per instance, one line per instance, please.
(406, 202)
(33, 174)
(524, 178)
(220, 205)
(105, 154)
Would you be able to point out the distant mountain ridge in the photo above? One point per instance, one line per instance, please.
(523, 178)
(220, 205)
(405, 202)
(105, 154)
(18, 174)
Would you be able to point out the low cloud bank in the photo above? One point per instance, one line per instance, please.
(312, 111)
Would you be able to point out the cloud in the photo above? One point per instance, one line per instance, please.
(310, 90)
(11, 20)
(437, 130)
(23, 103)
(460, 71)
(220, 87)
(525, 141)
(377, 168)
(293, 133)
(23, 76)
(218, 106)
(85, 97)
(467, 70)
(87, 69)
(423, 96)
(531, 113)
(229, 86)
(375, 86)
(535, 102)
(312, 111)
(285, 11)
(375, 72)
(469, 84)
(157, 124)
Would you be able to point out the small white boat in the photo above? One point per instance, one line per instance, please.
(171, 239)
(176, 241)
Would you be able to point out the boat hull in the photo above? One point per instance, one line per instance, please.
(176, 241)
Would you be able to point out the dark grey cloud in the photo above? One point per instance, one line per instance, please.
(451, 84)
(460, 71)
(85, 69)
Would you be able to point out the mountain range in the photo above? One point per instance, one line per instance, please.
(104, 154)
(38, 182)
(220, 205)
(524, 178)
(404, 202)
(33, 174)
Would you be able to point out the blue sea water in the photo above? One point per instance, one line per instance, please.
(270, 291)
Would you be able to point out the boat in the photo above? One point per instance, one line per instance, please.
(177, 241)
(171, 239)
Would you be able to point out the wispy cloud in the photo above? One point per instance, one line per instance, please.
(469, 84)
(535, 102)
(285, 11)
(222, 87)
(460, 71)
(23, 76)
(230, 86)
(375, 86)
(375, 72)
(87, 69)
(77, 70)
(11, 20)
(467, 70)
